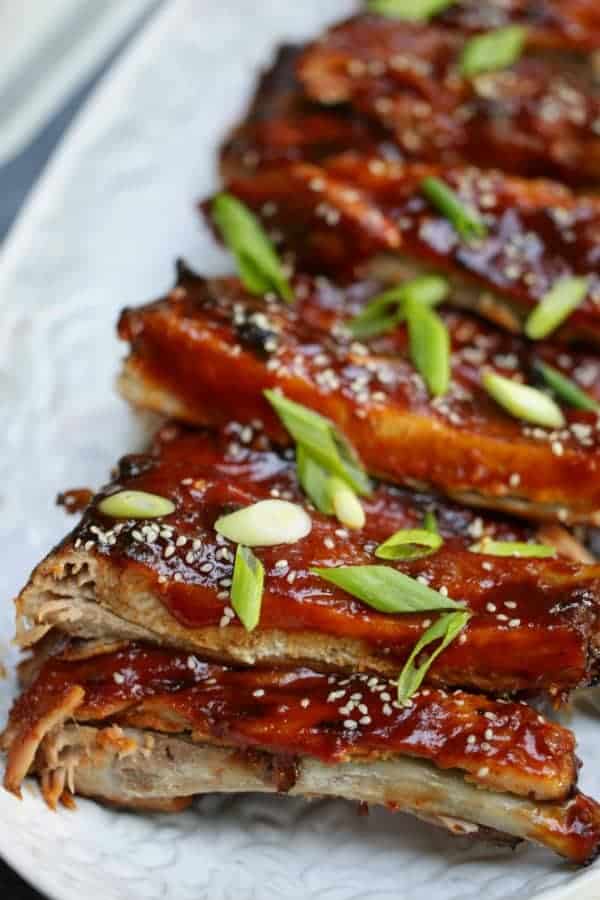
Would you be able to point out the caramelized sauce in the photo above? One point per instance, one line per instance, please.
(535, 118)
(293, 712)
(533, 620)
(461, 444)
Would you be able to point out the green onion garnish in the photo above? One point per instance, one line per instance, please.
(330, 494)
(465, 220)
(429, 344)
(409, 543)
(386, 311)
(512, 548)
(346, 504)
(446, 629)
(409, 10)
(320, 438)
(430, 522)
(565, 389)
(135, 505)
(522, 401)
(265, 524)
(494, 50)
(247, 587)
(258, 264)
(314, 480)
(386, 590)
(555, 307)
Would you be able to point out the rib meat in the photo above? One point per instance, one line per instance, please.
(463, 444)
(300, 732)
(356, 215)
(534, 623)
(535, 118)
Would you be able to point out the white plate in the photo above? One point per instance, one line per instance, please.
(101, 231)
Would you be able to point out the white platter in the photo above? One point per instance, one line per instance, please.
(101, 231)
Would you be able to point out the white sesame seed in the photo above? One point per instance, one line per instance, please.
(305, 702)
(514, 623)
(350, 724)
(490, 607)
(483, 771)
(387, 709)
(365, 720)
(281, 564)
(471, 739)
(181, 541)
(489, 734)
(118, 678)
(502, 617)
(169, 551)
(510, 604)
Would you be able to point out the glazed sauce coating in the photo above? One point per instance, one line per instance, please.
(535, 118)
(338, 217)
(533, 620)
(551, 24)
(334, 718)
(463, 444)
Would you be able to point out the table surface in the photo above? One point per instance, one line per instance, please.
(17, 178)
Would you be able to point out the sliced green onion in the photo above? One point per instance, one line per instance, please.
(321, 440)
(512, 548)
(410, 543)
(386, 589)
(382, 314)
(314, 480)
(247, 587)
(346, 504)
(522, 401)
(330, 494)
(429, 344)
(565, 389)
(259, 266)
(386, 311)
(465, 220)
(494, 50)
(446, 629)
(409, 10)
(555, 307)
(135, 505)
(430, 522)
(265, 524)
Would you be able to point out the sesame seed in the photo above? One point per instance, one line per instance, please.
(514, 623)
(329, 543)
(502, 617)
(118, 678)
(169, 551)
(350, 724)
(471, 739)
(483, 771)
(365, 720)
(259, 692)
(305, 702)
(387, 709)
(181, 541)
(489, 734)
(281, 564)
(490, 607)
(510, 604)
